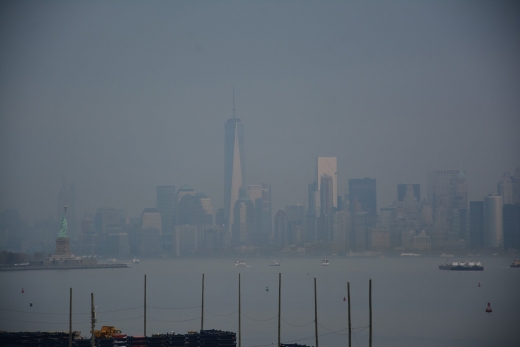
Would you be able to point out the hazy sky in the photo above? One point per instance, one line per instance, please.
(122, 96)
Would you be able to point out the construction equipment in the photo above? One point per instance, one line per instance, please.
(107, 331)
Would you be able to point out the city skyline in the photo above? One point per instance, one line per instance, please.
(119, 102)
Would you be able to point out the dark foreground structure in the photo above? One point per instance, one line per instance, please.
(204, 338)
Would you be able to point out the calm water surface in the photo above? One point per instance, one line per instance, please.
(414, 303)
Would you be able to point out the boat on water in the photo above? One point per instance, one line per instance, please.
(444, 255)
(410, 255)
(274, 263)
(515, 263)
(462, 266)
(325, 262)
(240, 263)
(112, 260)
(135, 260)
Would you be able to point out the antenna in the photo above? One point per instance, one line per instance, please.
(234, 116)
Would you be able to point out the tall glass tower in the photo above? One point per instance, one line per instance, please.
(234, 166)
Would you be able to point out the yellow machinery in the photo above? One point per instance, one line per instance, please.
(106, 332)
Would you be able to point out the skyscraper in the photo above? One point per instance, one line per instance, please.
(511, 226)
(243, 220)
(476, 224)
(166, 204)
(505, 188)
(328, 166)
(403, 190)
(493, 221)
(234, 166)
(260, 194)
(447, 188)
(362, 196)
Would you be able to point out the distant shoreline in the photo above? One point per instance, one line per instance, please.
(28, 267)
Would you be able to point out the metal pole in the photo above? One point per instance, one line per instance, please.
(70, 318)
(279, 304)
(239, 313)
(370, 313)
(202, 309)
(315, 313)
(349, 323)
(92, 319)
(144, 305)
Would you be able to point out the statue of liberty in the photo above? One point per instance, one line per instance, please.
(63, 229)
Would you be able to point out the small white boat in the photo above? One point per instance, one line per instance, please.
(325, 262)
(275, 263)
(410, 255)
(240, 263)
(112, 260)
(135, 260)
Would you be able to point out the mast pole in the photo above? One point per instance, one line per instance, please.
(92, 319)
(144, 306)
(70, 318)
(202, 309)
(315, 313)
(349, 323)
(234, 115)
(279, 304)
(370, 313)
(239, 315)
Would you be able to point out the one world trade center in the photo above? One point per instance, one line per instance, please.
(234, 167)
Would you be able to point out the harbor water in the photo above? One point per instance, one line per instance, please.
(413, 302)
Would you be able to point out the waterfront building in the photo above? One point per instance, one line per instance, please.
(328, 166)
(108, 220)
(280, 229)
(186, 240)
(183, 191)
(362, 196)
(516, 186)
(505, 188)
(380, 239)
(260, 194)
(447, 188)
(341, 231)
(244, 220)
(220, 218)
(295, 224)
(511, 216)
(359, 234)
(493, 221)
(234, 166)
(426, 217)
(186, 202)
(166, 203)
(151, 220)
(119, 245)
(405, 190)
(476, 224)
(313, 198)
(207, 205)
(326, 195)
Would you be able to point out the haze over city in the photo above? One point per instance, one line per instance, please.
(120, 97)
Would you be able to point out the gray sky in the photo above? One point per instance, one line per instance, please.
(122, 96)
